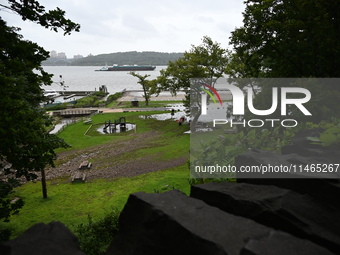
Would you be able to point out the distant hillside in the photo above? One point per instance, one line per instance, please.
(122, 58)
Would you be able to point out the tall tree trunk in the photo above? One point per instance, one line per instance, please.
(43, 183)
(146, 96)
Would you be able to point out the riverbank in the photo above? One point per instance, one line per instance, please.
(138, 95)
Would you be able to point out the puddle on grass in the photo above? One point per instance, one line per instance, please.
(117, 130)
(176, 111)
(61, 125)
(164, 116)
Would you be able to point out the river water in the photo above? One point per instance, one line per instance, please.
(85, 78)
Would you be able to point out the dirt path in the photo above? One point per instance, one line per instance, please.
(113, 160)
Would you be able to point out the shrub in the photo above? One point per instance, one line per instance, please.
(114, 97)
(56, 107)
(99, 94)
(96, 236)
(87, 101)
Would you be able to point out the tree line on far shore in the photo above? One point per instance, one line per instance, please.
(120, 58)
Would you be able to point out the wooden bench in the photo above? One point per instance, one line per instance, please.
(85, 165)
(79, 177)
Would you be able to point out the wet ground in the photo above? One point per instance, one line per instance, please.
(108, 160)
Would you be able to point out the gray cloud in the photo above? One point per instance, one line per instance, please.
(112, 26)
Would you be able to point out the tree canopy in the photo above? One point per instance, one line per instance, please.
(148, 87)
(32, 10)
(293, 38)
(25, 146)
(290, 39)
(206, 62)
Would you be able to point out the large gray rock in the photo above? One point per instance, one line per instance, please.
(43, 239)
(173, 223)
(298, 214)
(279, 243)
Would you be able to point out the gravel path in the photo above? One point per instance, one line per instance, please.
(113, 160)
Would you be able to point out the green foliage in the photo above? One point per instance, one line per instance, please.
(56, 107)
(293, 38)
(7, 208)
(99, 94)
(25, 146)
(93, 100)
(25, 143)
(196, 181)
(274, 139)
(113, 97)
(148, 87)
(265, 139)
(219, 149)
(95, 236)
(207, 60)
(33, 11)
(5, 233)
(330, 138)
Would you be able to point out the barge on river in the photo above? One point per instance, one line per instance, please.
(127, 68)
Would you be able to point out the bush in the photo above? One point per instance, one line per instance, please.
(56, 107)
(99, 94)
(95, 237)
(87, 101)
(91, 100)
(114, 97)
(5, 233)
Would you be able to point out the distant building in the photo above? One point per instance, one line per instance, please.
(77, 56)
(53, 54)
(62, 55)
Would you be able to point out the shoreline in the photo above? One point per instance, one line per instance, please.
(131, 95)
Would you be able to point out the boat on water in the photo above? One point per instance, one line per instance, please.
(51, 93)
(127, 68)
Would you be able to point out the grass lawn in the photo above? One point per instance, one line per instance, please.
(74, 134)
(72, 203)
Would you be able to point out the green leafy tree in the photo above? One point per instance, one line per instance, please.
(291, 38)
(206, 62)
(25, 146)
(148, 87)
(32, 10)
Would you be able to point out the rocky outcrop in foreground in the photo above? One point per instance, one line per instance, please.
(42, 239)
(173, 223)
(218, 218)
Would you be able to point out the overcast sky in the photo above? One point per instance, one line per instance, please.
(109, 26)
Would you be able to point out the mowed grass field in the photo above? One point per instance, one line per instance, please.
(73, 203)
